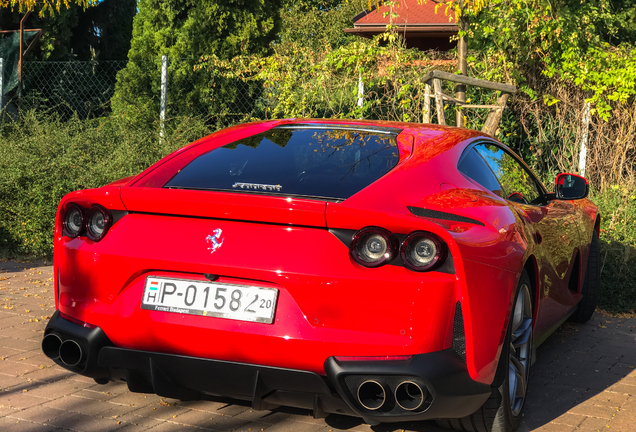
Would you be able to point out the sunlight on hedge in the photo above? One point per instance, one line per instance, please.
(43, 158)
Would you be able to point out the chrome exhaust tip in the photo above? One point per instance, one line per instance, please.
(71, 353)
(371, 395)
(409, 395)
(51, 346)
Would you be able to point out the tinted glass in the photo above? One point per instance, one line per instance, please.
(571, 187)
(474, 167)
(310, 162)
(516, 181)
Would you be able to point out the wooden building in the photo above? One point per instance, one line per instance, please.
(417, 22)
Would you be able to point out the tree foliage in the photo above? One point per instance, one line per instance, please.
(535, 40)
(55, 40)
(625, 13)
(317, 24)
(44, 6)
(104, 32)
(312, 5)
(563, 55)
(186, 30)
(298, 81)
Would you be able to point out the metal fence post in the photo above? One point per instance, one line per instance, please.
(164, 96)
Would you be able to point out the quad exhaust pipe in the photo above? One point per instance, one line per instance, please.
(69, 351)
(409, 395)
(51, 346)
(371, 395)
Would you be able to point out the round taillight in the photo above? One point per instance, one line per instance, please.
(373, 247)
(98, 221)
(73, 221)
(422, 251)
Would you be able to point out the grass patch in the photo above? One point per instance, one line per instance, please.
(618, 249)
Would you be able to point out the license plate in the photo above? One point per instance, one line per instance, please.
(221, 300)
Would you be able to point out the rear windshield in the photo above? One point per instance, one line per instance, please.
(319, 163)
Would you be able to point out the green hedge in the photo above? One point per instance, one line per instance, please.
(43, 158)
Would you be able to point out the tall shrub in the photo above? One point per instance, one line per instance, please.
(186, 30)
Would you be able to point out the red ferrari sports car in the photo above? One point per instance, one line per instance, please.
(391, 271)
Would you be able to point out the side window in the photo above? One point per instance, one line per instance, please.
(474, 167)
(517, 183)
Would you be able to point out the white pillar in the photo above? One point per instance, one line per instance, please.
(164, 95)
(585, 138)
(360, 92)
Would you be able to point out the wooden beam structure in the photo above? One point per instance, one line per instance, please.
(494, 116)
(507, 88)
(426, 118)
(439, 102)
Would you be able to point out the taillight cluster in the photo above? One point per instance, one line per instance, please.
(93, 222)
(419, 251)
(374, 246)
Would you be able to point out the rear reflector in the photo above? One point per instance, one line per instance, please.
(376, 358)
(76, 321)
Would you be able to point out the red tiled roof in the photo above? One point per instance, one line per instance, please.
(411, 12)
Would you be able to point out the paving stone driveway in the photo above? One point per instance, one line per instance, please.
(584, 380)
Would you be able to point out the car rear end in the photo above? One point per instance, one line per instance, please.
(227, 269)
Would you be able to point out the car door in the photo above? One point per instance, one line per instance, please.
(552, 230)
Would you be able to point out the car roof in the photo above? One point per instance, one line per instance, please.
(429, 139)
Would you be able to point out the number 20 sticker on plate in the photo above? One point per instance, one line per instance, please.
(221, 300)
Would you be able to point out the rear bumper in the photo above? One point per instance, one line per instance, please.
(89, 342)
(448, 389)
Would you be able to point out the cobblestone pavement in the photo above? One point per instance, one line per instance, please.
(584, 380)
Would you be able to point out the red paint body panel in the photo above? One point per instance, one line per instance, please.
(225, 205)
(328, 304)
(98, 283)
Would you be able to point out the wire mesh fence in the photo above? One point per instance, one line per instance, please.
(85, 89)
(221, 101)
(221, 96)
(70, 88)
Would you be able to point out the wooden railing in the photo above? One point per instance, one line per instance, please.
(436, 77)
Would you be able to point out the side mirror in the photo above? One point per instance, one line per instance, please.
(570, 187)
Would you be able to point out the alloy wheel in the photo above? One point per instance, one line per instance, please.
(520, 350)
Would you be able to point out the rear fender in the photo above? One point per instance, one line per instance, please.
(486, 294)
(107, 196)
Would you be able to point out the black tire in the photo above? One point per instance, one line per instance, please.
(587, 305)
(500, 413)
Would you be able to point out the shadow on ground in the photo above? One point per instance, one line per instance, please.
(574, 367)
(17, 266)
